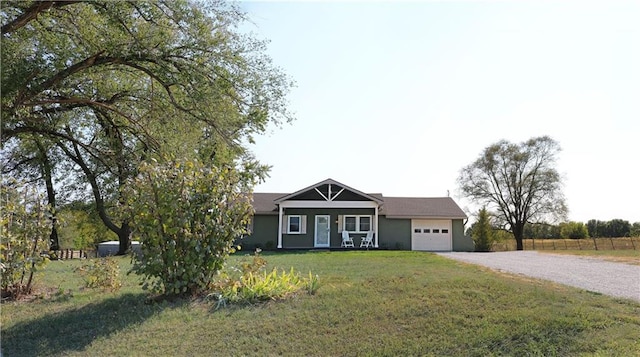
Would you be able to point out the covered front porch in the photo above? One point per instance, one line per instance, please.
(316, 217)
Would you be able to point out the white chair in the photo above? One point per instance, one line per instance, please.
(347, 241)
(367, 241)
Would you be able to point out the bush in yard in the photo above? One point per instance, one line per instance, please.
(24, 232)
(482, 232)
(255, 284)
(187, 217)
(103, 273)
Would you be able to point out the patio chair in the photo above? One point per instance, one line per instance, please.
(367, 241)
(347, 241)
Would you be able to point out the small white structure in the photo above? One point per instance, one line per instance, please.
(111, 248)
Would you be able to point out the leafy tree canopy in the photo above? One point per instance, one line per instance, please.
(518, 181)
(101, 86)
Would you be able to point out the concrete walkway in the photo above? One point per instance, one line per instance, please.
(592, 274)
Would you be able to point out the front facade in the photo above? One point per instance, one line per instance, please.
(316, 216)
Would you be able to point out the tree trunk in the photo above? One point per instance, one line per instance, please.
(54, 243)
(518, 233)
(124, 231)
(124, 234)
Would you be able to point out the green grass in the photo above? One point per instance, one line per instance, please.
(377, 303)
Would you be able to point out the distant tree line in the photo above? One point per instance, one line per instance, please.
(572, 230)
(575, 230)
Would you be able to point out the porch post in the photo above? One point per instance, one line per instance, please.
(375, 244)
(279, 226)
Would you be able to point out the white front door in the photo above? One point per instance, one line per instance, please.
(322, 231)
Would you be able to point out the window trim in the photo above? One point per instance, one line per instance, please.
(357, 217)
(299, 231)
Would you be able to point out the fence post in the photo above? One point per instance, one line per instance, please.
(565, 244)
(632, 244)
(595, 244)
(612, 245)
(579, 246)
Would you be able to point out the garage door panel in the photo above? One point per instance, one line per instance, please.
(431, 235)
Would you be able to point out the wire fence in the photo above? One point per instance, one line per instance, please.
(64, 254)
(621, 243)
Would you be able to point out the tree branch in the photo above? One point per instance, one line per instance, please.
(31, 13)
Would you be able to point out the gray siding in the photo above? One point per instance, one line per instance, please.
(264, 233)
(394, 233)
(461, 243)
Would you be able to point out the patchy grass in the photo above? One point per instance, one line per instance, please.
(621, 256)
(379, 303)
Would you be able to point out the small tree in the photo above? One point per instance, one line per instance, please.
(25, 226)
(573, 230)
(635, 229)
(482, 232)
(187, 217)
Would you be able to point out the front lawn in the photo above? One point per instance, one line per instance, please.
(380, 303)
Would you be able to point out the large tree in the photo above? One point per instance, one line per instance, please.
(519, 182)
(109, 84)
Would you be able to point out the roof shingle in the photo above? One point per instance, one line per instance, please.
(392, 207)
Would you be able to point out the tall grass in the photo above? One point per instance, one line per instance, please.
(380, 303)
(621, 243)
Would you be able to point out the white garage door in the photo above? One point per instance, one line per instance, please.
(432, 235)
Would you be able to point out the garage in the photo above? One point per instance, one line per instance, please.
(431, 235)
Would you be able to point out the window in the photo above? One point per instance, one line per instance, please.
(294, 224)
(426, 230)
(357, 224)
(436, 230)
(350, 223)
(417, 230)
(445, 231)
(365, 224)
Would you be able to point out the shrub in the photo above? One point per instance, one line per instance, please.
(187, 217)
(573, 230)
(482, 232)
(103, 273)
(255, 284)
(24, 228)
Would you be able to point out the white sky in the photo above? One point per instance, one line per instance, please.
(397, 97)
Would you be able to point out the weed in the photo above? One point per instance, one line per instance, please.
(103, 273)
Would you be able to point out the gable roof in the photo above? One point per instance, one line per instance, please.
(328, 182)
(391, 207)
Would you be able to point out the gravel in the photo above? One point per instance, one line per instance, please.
(592, 274)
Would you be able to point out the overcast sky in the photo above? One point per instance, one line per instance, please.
(396, 98)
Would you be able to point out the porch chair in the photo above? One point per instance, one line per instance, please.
(367, 241)
(347, 241)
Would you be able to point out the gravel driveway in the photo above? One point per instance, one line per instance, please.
(592, 274)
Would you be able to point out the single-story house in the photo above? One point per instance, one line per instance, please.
(316, 216)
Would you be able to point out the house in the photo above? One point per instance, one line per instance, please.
(315, 216)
